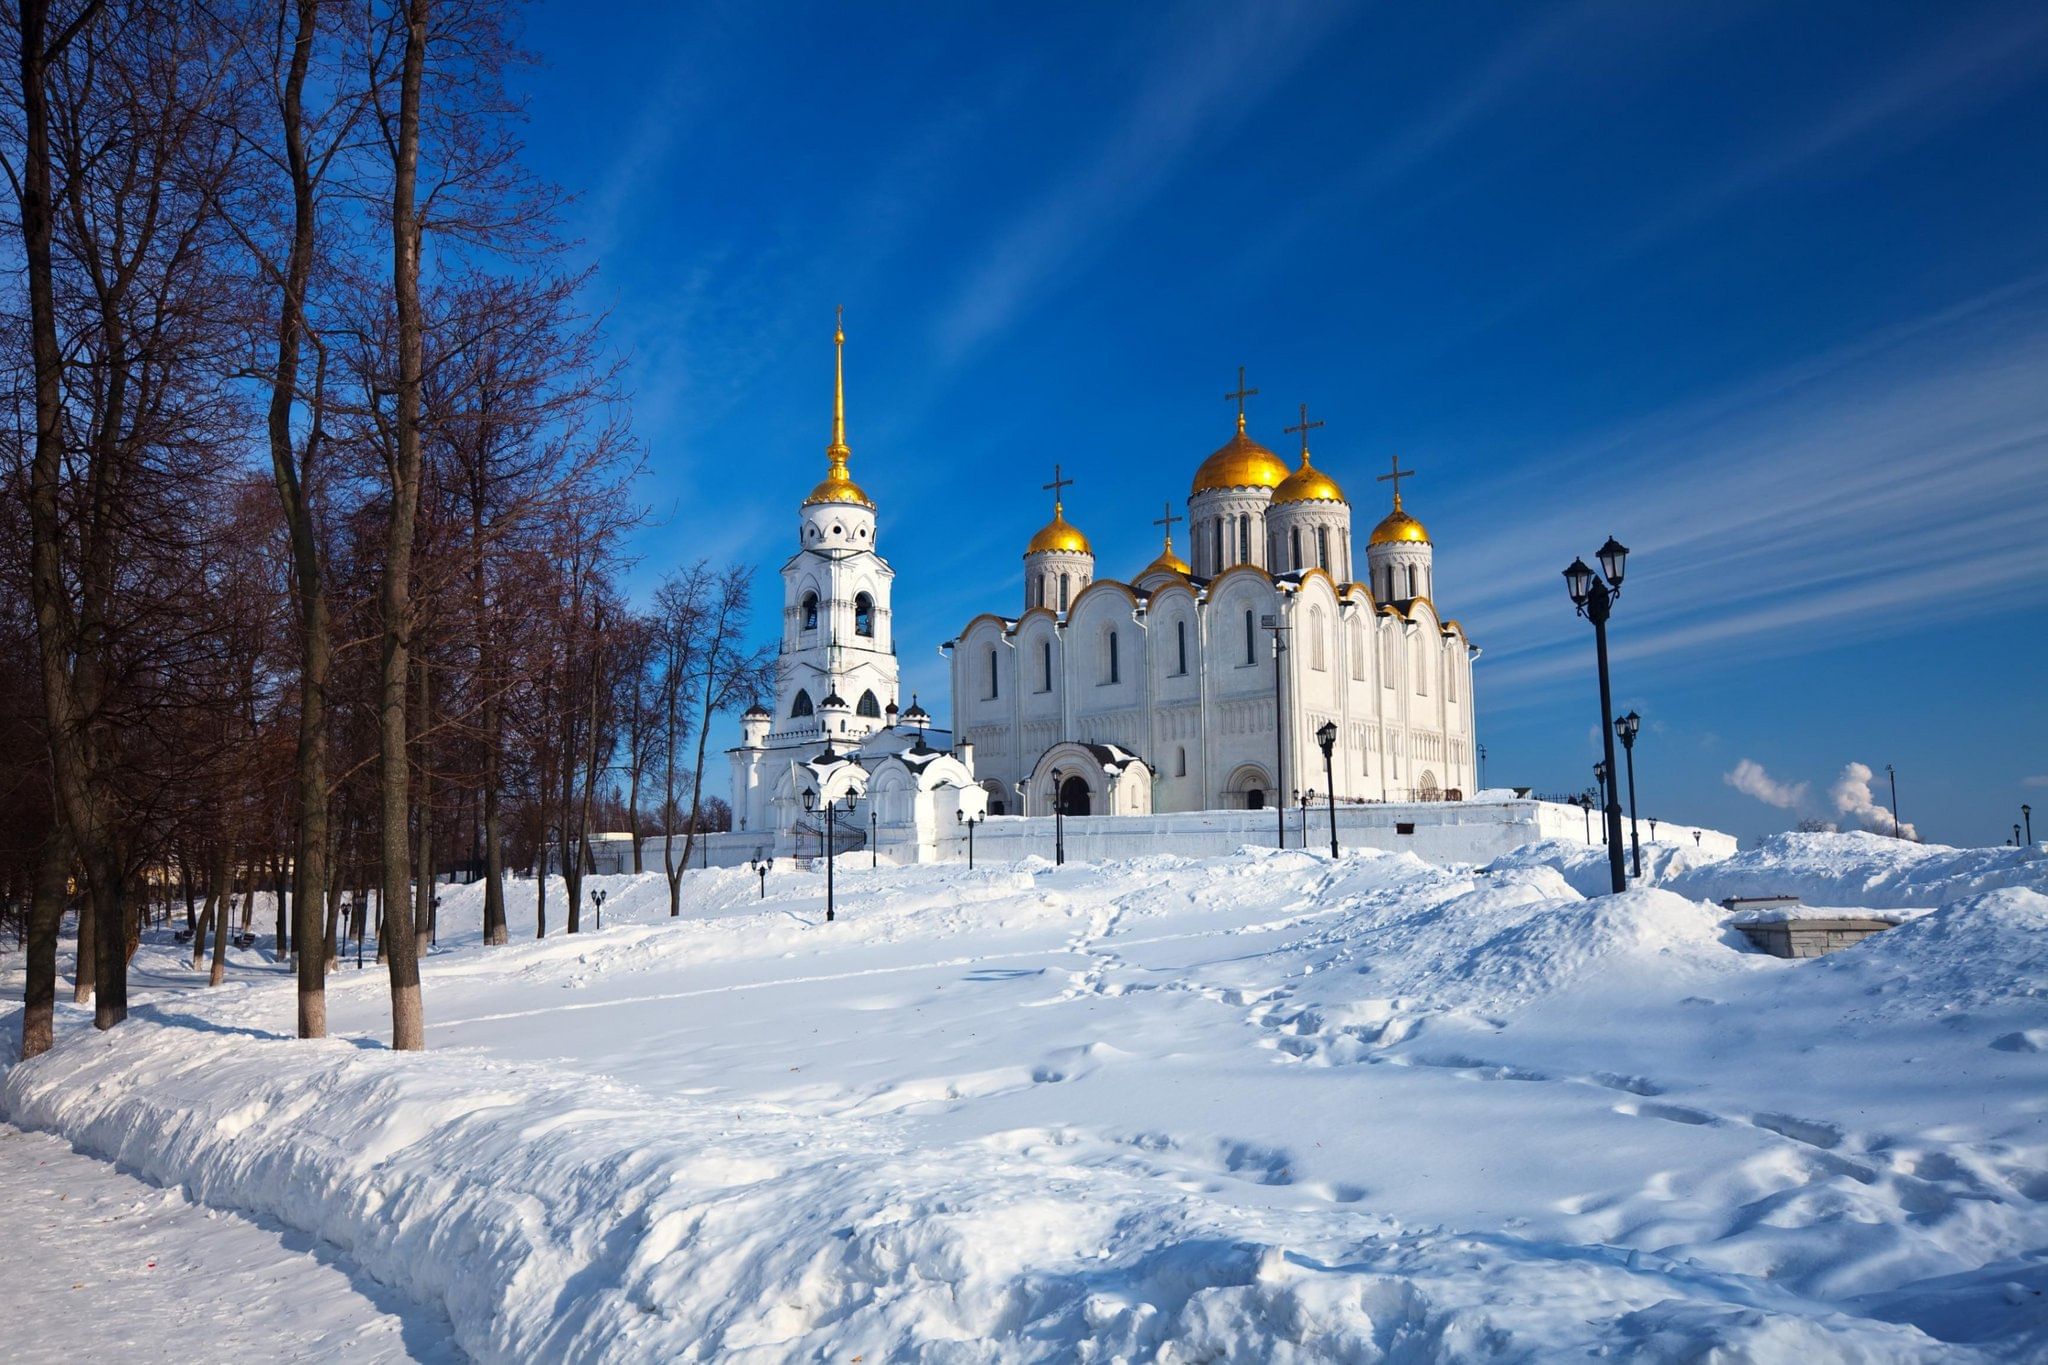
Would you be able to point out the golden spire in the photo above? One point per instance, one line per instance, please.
(838, 485)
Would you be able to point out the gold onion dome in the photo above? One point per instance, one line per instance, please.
(838, 484)
(1241, 462)
(1308, 484)
(1398, 528)
(1059, 534)
(1168, 562)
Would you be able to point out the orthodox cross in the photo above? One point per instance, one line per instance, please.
(1055, 486)
(1305, 428)
(1239, 397)
(1396, 476)
(1168, 522)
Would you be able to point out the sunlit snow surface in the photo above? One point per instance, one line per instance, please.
(1257, 1108)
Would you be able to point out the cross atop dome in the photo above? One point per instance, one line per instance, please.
(1239, 397)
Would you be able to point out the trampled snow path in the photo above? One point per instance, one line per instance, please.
(1265, 1107)
(103, 1266)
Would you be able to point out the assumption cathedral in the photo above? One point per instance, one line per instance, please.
(1203, 683)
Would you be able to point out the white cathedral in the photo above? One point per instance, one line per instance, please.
(1195, 686)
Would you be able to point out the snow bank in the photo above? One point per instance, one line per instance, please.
(1267, 1107)
(1862, 869)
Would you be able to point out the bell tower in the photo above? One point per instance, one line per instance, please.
(836, 673)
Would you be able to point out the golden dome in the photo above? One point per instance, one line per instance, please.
(1168, 562)
(838, 486)
(1060, 535)
(1241, 462)
(1308, 484)
(1399, 527)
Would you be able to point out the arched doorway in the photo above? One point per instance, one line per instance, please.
(1074, 796)
(1255, 799)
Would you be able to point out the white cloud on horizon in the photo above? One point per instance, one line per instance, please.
(1853, 799)
(1749, 778)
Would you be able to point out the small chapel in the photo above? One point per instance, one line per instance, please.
(1209, 683)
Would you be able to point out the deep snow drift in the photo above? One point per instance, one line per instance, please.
(1267, 1107)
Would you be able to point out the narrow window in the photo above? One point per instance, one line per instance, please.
(864, 615)
(1113, 658)
(1182, 765)
(1358, 650)
(1180, 644)
(1244, 537)
(1294, 545)
(1250, 638)
(1421, 668)
(868, 707)
(1063, 592)
(1318, 658)
(810, 611)
(994, 686)
(1216, 535)
(1451, 678)
(1045, 664)
(1411, 580)
(1323, 548)
(801, 706)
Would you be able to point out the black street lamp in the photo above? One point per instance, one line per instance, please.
(759, 867)
(597, 896)
(1326, 735)
(1892, 773)
(1482, 767)
(874, 841)
(2027, 814)
(1585, 805)
(1653, 829)
(1626, 727)
(1306, 799)
(831, 844)
(2015, 836)
(1059, 811)
(970, 821)
(1593, 595)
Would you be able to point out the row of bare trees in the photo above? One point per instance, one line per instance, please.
(317, 496)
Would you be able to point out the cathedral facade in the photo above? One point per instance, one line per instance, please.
(1203, 683)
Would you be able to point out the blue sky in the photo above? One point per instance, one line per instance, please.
(1761, 289)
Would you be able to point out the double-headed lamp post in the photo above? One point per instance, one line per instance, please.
(1593, 595)
(1326, 735)
(970, 821)
(831, 844)
(598, 897)
(1627, 726)
(758, 865)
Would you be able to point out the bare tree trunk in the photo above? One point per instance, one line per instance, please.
(223, 917)
(423, 872)
(86, 970)
(45, 917)
(408, 1021)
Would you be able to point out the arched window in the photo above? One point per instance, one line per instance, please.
(1111, 658)
(1421, 667)
(1244, 537)
(1358, 650)
(1389, 665)
(1451, 678)
(994, 685)
(810, 612)
(1411, 580)
(1180, 644)
(1318, 655)
(863, 615)
(1181, 765)
(1216, 535)
(1293, 546)
(1251, 638)
(1323, 548)
(1063, 592)
(868, 707)
(801, 706)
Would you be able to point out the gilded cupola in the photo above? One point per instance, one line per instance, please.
(838, 484)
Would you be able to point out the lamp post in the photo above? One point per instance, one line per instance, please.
(2015, 836)
(1059, 817)
(1326, 735)
(1306, 799)
(831, 845)
(1482, 767)
(874, 840)
(1600, 779)
(1593, 596)
(1653, 829)
(759, 867)
(970, 821)
(1585, 805)
(1892, 773)
(2027, 814)
(597, 896)
(1279, 629)
(1626, 727)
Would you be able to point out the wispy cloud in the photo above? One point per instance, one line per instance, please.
(1215, 73)
(1814, 507)
(1749, 778)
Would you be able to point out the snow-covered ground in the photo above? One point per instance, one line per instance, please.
(1266, 1107)
(103, 1266)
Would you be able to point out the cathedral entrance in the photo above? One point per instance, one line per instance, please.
(1255, 799)
(1074, 796)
